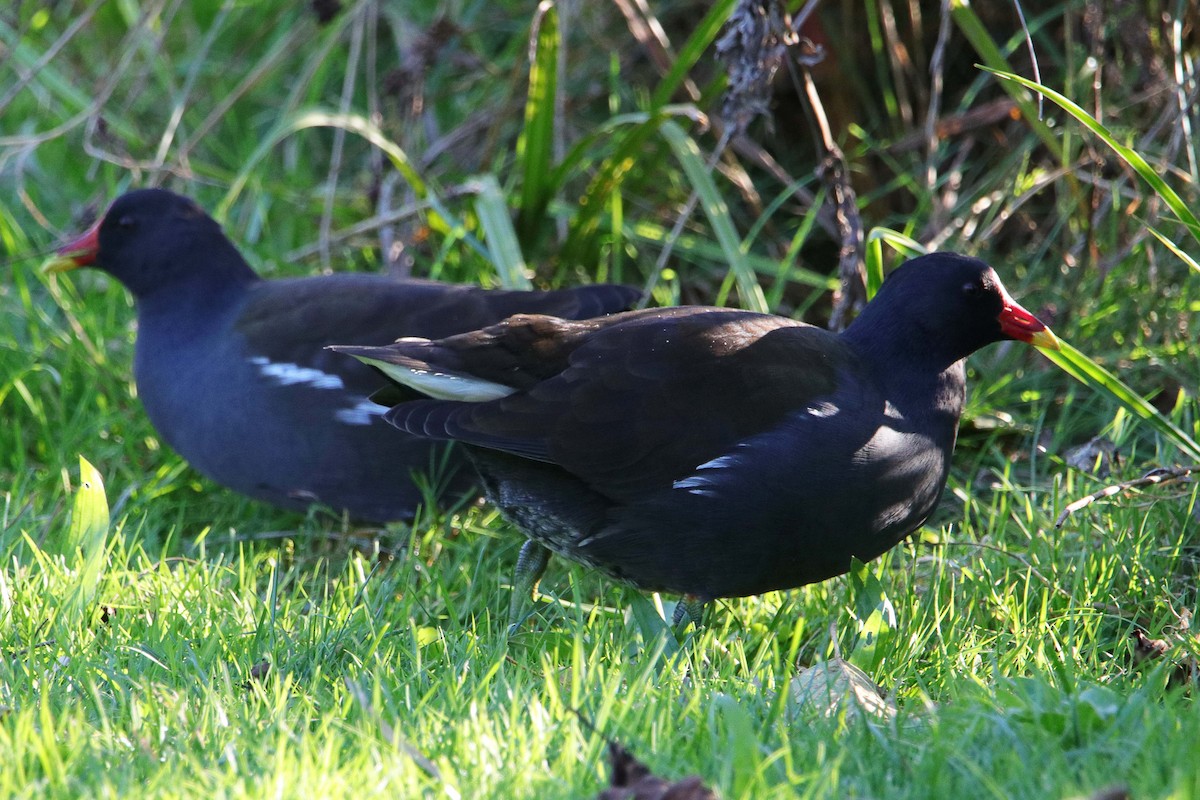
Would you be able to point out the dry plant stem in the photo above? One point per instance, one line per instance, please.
(984, 115)
(1093, 195)
(836, 176)
(954, 179)
(750, 150)
(653, 39)
(801, 16)
(558, 139)
(23, 77)
(677, 228)
(259, 73)
(387, 180)
(899, 61)
(936, 75)
(1182, 72)
(393, 264)
(189, 84)
(373, 223)
(387, 234)
(1033, 60)
(1151, 478)
(30, 206)
(339, 137)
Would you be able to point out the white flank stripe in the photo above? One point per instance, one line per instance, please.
(288, 374)
(822, 410)
(720, 462)
(689, 482)
(361, 414)
(703, 484)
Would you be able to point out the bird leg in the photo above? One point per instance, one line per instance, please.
(531, 563)
(690, 608)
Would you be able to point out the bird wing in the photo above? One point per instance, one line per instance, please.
(291, 322)
(634, 402)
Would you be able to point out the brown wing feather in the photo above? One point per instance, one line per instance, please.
(639, 400)
(293, 320)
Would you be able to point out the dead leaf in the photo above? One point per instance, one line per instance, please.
(1096, 457)
(1145, 648)
(828, 687)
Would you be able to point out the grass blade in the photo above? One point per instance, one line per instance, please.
(500, 236)
(536, 143)
(977, 34)
(910, 247)
(702, 36)
(1091, 374)
(580, 245)
(1130, 156)
(351, 123)
(715, 208)
(1174, 248)
(87, 539)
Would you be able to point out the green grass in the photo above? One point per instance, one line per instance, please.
(1005, 643)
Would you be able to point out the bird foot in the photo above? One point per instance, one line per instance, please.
(689, 608)
(531, 564)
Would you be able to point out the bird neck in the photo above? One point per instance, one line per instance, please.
(897, 343)
(202, 285)
(921, 375)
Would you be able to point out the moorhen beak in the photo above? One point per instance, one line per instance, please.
(233, 371)
(713, 452)
(79, 253)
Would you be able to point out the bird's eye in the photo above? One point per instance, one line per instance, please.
(973, 290)
(126, 221)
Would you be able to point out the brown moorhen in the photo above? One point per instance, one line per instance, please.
(708, 451)
(233, 371)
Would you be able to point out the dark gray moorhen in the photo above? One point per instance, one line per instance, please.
(713, 452)
(233, 370)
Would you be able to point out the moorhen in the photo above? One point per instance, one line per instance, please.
(713, 452)
(233, 371)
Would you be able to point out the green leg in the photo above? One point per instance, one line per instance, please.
(690, 608)
(531, 563)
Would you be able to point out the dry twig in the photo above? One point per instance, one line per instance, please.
(1151, 478)
(834, 171)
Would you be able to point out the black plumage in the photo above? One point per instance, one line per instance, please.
(233, 371)
(714, 452)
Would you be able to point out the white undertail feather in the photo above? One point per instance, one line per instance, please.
(442, 385)
(287, 374)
